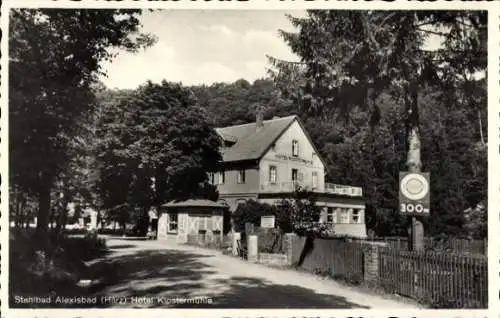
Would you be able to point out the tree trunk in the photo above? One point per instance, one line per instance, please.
(18, 216)
(63, 216)
(413, 156)
(43, 212)
(480, 127)
(98, 218)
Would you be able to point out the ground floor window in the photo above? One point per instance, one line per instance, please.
(331, 215)
(343, 215)
(241, 176)
(172, 223)
(221, 177)
(355, 218)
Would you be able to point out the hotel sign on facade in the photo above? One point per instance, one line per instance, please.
(292, 158)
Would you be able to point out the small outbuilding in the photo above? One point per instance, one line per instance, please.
(191, 220)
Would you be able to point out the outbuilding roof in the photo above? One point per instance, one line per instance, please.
(194, 203)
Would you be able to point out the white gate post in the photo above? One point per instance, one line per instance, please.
(236, 238)
(253, 250)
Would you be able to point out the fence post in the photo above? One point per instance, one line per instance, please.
(253, 248)
(289, 247)
(371, 261)
(236, 238)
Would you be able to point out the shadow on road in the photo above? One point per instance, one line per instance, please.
(146, 269)
(121, 246)
(159, 276)
(248, 292)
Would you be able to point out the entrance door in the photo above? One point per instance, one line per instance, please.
(154, 225)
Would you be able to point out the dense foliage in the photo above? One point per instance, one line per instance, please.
(298, 214)
(251, 212)
(54, 59)
(349, 59)
(154, 145)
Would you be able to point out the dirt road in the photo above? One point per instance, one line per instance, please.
(158, 274)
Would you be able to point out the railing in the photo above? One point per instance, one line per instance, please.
(457, 245)
(343, 189)
(289, 186)
(443, 280)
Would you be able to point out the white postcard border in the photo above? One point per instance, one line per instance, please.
(493, 156)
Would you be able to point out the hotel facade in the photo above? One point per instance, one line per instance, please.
(268, 159)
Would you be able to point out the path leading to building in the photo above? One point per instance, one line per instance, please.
(159, 274)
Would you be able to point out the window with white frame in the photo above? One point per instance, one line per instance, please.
(295, 148)
(273, 175)
(241, 176)
(221, 177)
(172, 223)
(343, 215)
(355, 216)
(315, 179)
(331, 215)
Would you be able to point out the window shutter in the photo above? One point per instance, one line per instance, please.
(209, 222)
(202, 223)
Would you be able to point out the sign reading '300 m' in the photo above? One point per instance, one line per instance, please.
(414, 191)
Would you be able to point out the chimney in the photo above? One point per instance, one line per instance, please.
(259, 118)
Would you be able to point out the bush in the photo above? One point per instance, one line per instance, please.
(115, 232)
(442, 302)
(134, 231)
(270, 241)
(40, 269)
(252, 211)
(74, 231)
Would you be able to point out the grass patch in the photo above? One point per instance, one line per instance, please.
(51, 269)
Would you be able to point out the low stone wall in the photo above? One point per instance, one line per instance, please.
(273, 259)
(355, 260)
(204, 240)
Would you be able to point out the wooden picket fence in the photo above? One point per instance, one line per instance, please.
(457, 245)
(441, 279)
(336, 258)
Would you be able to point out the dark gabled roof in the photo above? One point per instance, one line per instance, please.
(252, 143)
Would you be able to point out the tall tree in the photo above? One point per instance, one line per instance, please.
(157, 132)
(54, 57)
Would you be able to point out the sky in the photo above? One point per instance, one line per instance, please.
(203, 47)
(206, 46)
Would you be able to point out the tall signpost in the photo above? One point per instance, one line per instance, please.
(414, 201)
